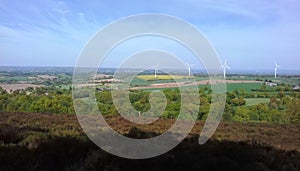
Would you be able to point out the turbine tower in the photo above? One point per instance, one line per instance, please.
(225, 67)
(189, 68)
(276, 68)
(155, 70)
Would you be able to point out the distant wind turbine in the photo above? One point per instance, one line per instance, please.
(276, 68)
(189, 68)
(155, 70)
(225, 67)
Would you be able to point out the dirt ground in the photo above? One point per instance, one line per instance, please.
(13, 87)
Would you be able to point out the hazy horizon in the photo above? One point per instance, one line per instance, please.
(193, 70)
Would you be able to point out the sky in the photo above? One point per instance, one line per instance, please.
(249, 34)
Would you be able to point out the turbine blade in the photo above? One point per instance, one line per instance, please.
(189, 65)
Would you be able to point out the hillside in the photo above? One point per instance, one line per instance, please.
(56, 142)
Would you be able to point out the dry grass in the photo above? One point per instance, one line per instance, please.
(285, 137)
(56, 142)
(13, 87)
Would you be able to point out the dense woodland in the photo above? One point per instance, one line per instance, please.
(282, 107)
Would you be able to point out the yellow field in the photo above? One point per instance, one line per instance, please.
(160, 77)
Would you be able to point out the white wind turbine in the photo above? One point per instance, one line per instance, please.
(155, 70)
(225, 67)
(189, 68)
(276, 68)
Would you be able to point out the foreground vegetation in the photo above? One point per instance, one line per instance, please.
(31, 141)
(241, 106)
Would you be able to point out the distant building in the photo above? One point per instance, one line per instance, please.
(271, 84)
(296, 87)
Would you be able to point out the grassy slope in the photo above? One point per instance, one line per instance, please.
(42, 141)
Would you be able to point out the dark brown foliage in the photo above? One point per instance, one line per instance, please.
(56, 142)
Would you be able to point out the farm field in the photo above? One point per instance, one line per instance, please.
(160, 77)
(247, 87)
(13, 87)
(256, 101)
(231, 85)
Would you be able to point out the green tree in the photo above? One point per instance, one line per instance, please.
(241, 114)
(293, 110)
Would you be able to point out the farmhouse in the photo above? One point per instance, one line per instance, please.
(271, 84)
(296, 87)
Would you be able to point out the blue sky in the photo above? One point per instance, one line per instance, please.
(250, 34)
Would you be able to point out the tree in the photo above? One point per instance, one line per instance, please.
(241, 114)
(274, 102)
(228, 113)
(293, 111)
(263, 112)
(277, 116)
(238, 101)
(139, 106)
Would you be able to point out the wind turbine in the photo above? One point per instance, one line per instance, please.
(189, 68)
(155, 70)
(225, 67)
(276, 68)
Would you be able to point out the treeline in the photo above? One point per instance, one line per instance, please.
(280, 87)
(282, 107)
(39, 100)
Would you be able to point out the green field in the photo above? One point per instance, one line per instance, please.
(161, 77)
(256, 101)
(16, 78)
(247, 87)
(146, 80)
(243, 86)
(65, 86)
(138, 82)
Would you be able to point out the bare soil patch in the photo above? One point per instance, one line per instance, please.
(13, 87)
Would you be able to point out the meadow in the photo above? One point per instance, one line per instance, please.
(248, 87)
(256, 101)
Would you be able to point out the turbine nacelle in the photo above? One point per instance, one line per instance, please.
(224, 66)
(276, 65)
(189, 65)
